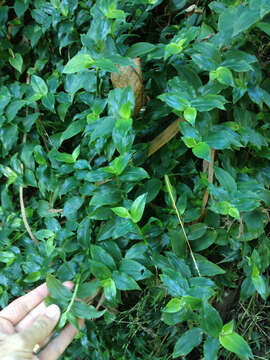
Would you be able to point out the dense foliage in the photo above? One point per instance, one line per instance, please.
(168, 248)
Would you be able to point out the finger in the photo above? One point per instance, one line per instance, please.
(6, 328)
(31, 317)
(20, 307)
(58, 345)
(36, 312)
(41, 328)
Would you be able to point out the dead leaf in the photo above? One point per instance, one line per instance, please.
(129, 75)
(164, 137)
(193, 9)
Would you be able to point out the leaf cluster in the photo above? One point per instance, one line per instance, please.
(77, 175)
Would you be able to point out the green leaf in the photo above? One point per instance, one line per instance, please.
(136, 250)
(209, 102)
(233, 212)
(48, 101)
(225, 179)
(190, 114)
(9, 173)
(173, 306)
(88, 289)
(109, 288)
(32, 277)
(228, 328)
(73, 129)
(210, 320)
(187, 342)
(39, 155)
(259, 282)
(84, 311)
(99, 270)
(236, 344)
(206, 267)
(78, 63)
(175, 101)
(139, 49)
(106, 195)
(76, 153)
(205, 241)
(7, 257)
(103, 127)
(124, 281)
(62, 157)
(178, 242)
(120, 163)
(13, 108)
(176, 284)
(202, 150)
(123, 125)
(196, 231)
(133, 174)
(5, 97)
(125, 110)
(56, 289)
(72, 205)
(16, 62)
(137, 208)
(44, 234)
(224, 76)
(101, 255)
(122, 212)
(152, 187)
(115, 14)
(39, 86)
(264, 26)
(172, 49)
(20, 7)
(134, 269)
(106, 65)
(210, 348)
(191, 302)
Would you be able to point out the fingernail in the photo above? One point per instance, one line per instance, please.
(53, 312)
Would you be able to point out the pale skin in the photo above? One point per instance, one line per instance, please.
(27, 322)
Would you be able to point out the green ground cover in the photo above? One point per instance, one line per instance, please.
(146, 183)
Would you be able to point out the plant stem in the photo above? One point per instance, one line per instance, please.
(169, 187)
(74, 294)
(142, 234)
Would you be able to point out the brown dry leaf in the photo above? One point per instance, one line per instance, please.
(210, 167)
(164, 137)
(193, 9)
(129, 75)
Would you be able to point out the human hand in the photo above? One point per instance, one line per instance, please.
(27, 322)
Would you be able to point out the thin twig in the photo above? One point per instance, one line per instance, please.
(23, 207)
(51, 209)
(210, 166)
(55, 211)
(25, 219)
(241, 227)
(101, 301)
(168, 184)
(90, 299)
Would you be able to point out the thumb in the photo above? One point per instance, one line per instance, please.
(41, 328)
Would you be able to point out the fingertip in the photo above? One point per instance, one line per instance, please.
(53, 312)
(69, 284)
(81, 322)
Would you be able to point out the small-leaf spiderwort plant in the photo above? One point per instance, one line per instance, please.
(153, 196)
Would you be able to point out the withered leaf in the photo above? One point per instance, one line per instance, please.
(129, 75)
